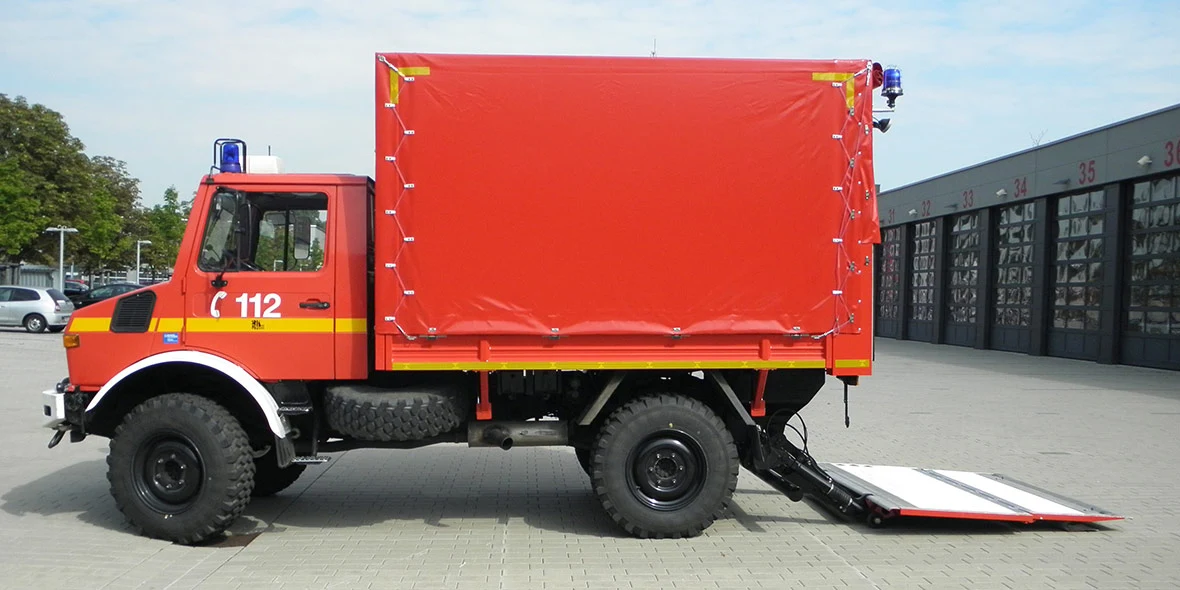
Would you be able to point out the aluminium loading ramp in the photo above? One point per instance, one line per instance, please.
(888, 492)
(878, 493)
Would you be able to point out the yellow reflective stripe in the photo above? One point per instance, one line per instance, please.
(849, 89)
(585, 366)
(852, 364)
(267, 325)
(312, 325)
(90, 324)
(395, 79)
(170, 325)
(351, 326)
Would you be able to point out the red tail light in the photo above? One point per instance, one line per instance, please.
(56, 305)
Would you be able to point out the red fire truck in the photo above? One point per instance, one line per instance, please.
(657, 262)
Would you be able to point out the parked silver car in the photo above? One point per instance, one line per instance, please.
(35, 309)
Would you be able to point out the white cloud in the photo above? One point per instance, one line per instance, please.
(154, 82)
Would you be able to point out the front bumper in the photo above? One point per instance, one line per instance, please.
(54, 407)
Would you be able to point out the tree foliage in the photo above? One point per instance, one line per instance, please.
(46, 179)
(21, 220)
(165, 225)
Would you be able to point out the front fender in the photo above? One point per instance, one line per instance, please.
(261, 396)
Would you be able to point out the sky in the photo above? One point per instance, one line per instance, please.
(154, 82)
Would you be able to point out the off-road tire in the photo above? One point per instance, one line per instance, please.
(373, 414)
(34, 323)
(269, 479)
(198, 447)
(689, 454)
(584, 455)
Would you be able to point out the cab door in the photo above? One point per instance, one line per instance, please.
(260, 288)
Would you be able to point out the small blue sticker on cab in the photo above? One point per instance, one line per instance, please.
(171, 338)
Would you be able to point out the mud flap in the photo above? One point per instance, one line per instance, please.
(889, 492)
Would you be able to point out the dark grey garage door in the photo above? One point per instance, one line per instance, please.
(923, 281)
(889, 283)
(1151, 335)
(1078, 275)
(1015, 235)
(963, 280)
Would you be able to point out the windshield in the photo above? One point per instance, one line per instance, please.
(218, 246)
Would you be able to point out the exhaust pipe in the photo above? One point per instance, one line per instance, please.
(546, 433)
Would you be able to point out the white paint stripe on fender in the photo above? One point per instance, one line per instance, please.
(261, 396)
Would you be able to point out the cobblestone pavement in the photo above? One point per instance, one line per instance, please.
(452, 517)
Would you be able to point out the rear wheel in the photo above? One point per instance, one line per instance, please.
(56, 329)
(664, 466)
(180, 468)
(35, 323)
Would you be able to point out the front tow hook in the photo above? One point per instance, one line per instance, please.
(57, 436)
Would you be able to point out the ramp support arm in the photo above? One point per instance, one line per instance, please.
(793, 472)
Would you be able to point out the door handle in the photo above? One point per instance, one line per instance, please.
(315, 304)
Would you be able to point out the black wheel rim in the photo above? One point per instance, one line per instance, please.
(667, 470)
(168, 473)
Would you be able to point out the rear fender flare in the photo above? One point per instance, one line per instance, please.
(261, 396)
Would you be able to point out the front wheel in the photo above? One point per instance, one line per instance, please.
(180, 468)
(664, 466)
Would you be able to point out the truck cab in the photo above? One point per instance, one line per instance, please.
(271, 276)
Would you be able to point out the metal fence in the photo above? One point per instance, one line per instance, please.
(27, 275)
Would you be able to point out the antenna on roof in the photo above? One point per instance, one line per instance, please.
(653, 46)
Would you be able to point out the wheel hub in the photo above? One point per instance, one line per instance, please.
(170, 474)
(667, 471)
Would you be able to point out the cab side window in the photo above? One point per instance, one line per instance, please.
(265, 232)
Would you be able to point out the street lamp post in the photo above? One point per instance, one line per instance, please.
(137, 244)
(61, 252)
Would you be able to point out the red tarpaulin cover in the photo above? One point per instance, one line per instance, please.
(528, 195)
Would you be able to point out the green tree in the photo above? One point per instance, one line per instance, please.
(165, 229)
(39, 161)
(103, 218)
(21, 221)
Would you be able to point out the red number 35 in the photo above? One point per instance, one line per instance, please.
(1086, 173)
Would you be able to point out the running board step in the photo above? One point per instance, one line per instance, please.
(889, 492)
(295, 410)
(310, 460)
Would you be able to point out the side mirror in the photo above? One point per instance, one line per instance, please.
(302, 239)
(227, 202)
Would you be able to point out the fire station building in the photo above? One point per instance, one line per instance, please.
(1069, 249)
